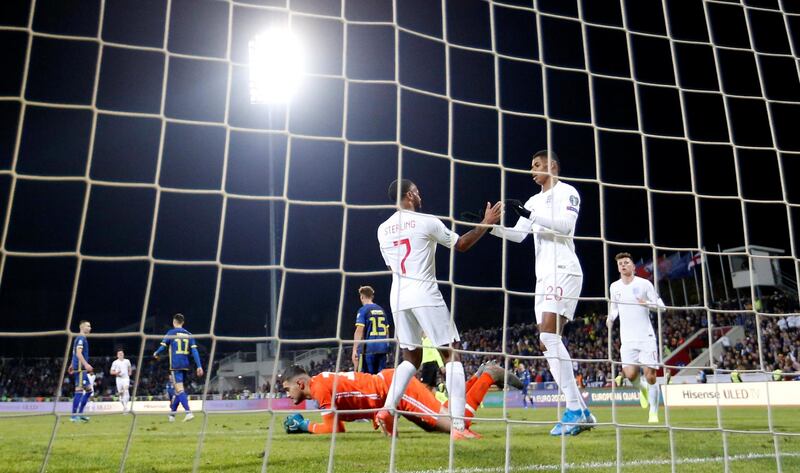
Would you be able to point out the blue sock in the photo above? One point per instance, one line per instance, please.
(173, 405)
(76, 402)
(184, 398)
(84, 400)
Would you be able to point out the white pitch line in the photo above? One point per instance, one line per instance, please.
(591, 465)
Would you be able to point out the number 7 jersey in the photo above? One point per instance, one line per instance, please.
(408, 245)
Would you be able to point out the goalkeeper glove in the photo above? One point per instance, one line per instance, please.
(518, 208)
(296, 424)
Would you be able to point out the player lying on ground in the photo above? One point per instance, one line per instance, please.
(361, 394)
(632, 299)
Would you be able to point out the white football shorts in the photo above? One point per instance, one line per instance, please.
(123, 384)
(557, 293)
(435, 321)
(643, 353)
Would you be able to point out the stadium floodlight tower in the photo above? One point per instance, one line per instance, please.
(276, 66)
(276, 70)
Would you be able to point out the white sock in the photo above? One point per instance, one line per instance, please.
(126, 397)
(561, 368)
(402, 376)
(457, 391)
(653, 393)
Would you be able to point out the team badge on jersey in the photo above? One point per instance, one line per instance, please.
(574, 200)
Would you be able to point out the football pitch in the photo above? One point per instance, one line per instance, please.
(235, 443)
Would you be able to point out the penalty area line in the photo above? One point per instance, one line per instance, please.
(592, 465)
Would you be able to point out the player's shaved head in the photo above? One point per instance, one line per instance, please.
(179, 319)
(545, 154)
(293, 372)
(405, 186)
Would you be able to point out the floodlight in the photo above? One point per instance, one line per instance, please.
(276, 66)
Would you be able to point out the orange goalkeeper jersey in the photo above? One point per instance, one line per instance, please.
(347, 392)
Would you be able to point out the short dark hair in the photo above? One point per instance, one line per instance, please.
(547, 153)
(179, 318)
(292, 372)
(405, 186)
(367, 291)
(623, 255)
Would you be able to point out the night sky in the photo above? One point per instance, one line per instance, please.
(141, 149)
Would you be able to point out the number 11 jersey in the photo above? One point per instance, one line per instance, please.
(408, 245)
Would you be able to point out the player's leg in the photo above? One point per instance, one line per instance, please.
(441, 330)
(126, 396)
(409, 335)
(88, 390)
(78, 396)
(180, 393)
(649, 358)
(372, 363)
(120, 393)
(380, 362)
(549, 306)
(631, 356)
(420, 407)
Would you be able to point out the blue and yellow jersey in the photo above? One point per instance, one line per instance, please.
(377, 324)
(79, 344)
(180, 344)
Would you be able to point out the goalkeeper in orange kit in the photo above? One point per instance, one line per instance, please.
(348, 396)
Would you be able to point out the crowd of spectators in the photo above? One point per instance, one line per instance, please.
(586, 337)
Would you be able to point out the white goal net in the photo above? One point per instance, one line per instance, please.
(138, 180)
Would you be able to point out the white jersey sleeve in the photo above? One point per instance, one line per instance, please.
(518, 233)
(441, 234)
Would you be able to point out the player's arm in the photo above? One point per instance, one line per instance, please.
(297, 424)
(196, 356)
(522, 229)
(613, 313)
(162, 346)
(651, 299)
(490, 217)
(357, 336)
(113, 369)
(562, 219)
(81, 360)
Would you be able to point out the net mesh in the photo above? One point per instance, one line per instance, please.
(455, 95)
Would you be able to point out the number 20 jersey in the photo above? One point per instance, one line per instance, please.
(408, 245)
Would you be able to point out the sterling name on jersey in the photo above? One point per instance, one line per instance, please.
(634, 317)
(408, 244)
(122, 367)
(554, 213)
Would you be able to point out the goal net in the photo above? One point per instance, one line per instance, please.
(141, 176)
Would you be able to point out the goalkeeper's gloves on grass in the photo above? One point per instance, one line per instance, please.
(296, 424)
(518, 208)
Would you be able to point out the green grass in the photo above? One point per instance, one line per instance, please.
(234, 443)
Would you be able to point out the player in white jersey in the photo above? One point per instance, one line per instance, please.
(632, 299)
(122, 369)
(408, 242)
(551, 216)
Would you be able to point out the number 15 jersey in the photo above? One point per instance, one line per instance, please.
(408, 245)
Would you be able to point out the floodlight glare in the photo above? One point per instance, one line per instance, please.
(276, 66)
